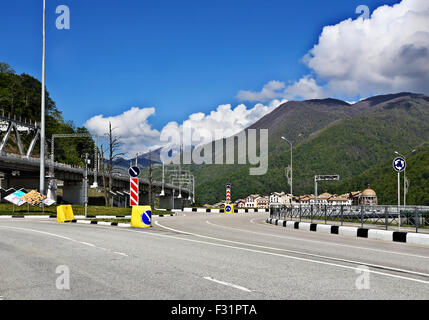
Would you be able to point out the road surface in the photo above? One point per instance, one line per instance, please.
(204, 256)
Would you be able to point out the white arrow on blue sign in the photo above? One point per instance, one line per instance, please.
(399, 164)
(134, 172)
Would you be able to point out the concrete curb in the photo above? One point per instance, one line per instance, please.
(385, 235)
(102, 223)
(223, 210)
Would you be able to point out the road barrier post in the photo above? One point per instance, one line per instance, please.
(65, 213)
(361, 215)
(300, 212)
(311, 213)
(341, 214)
(141, 217)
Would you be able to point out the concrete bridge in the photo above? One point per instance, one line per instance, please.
(23, 172)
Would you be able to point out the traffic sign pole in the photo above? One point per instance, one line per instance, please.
(134, 172)
(399, 164)
(399, 198)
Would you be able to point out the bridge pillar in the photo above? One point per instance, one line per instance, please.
(178, 203)
(74, 193)
(166, 202)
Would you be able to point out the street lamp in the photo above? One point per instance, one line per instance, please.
(42, 120)
(162, 191)
(291, 165)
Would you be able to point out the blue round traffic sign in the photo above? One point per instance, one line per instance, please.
(399, 164)
(134, 172)
(228, 209)
(146, 217)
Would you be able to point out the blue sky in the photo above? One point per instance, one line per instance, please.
(180, 57)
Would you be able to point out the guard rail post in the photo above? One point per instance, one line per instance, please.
(361, 216)
(386, 216)
(416, 219)
(341, 214)
(326, 208)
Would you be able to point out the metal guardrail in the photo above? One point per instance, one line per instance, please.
(410, 218)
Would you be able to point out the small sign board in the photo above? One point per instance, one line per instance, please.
(399, 164)
(134, 172)
(229, 208)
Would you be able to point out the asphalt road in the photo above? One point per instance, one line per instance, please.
(204, 256)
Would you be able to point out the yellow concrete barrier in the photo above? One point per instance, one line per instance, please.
(141, 217)
(65, 213)
(229, 208)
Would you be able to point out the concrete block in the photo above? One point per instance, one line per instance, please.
(304, 226)
(290, 224)
(324, 228)
(380, 234)
(418, 238)
(348, 231)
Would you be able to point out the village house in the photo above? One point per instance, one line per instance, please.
(251, 201)
(262, 202)
(280, 198)
(240, 203)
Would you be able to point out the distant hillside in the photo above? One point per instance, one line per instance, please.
(336, 138)
(383, 179)
(142, 160)
(20, 97)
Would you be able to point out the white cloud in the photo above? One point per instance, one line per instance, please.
(305, 88)
(132, 127)
(389, 52)
(137, 135)
(226, 119)
(270, 91)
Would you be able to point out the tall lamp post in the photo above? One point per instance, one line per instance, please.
(291, 165)
(42, 122)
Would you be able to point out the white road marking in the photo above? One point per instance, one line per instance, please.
(228, 284)
(120, 253)
(87, 244)
(258, 251)
(251, 250)
(57, 236)
(338, 259)
(291, 257)
(326, 242)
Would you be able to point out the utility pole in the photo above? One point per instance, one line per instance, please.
(42, 121)
(291, 164)
(150, 178)
(163, 181)
(85, 183)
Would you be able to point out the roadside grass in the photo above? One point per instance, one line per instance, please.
(78, 210)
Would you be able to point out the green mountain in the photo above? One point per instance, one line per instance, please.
(20, 97)
(330, 137)
(384, 179)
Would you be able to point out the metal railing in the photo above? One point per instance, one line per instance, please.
(408, 218)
